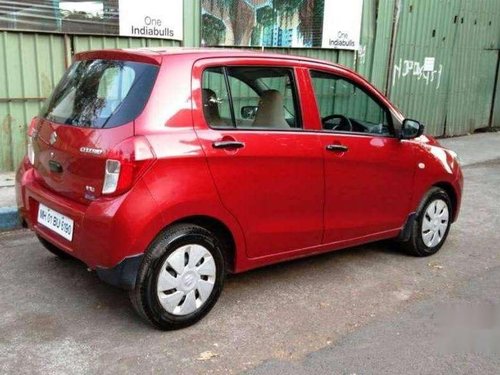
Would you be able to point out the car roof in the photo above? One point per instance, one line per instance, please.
(157, 53)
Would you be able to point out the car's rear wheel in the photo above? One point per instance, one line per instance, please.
(180, 278)
(432, 224)
(54, 249)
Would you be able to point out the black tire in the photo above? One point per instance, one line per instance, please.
(54, 249)
(415, 244)
(144, 296)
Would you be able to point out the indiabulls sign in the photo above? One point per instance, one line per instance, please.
(342, 24)
(151, 18)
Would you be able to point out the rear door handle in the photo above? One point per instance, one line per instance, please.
(337, 148)
(228, 144)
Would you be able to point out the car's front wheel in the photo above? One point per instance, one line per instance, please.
(181, 277)
(432, 224)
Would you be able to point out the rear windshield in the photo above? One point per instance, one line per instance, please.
(100, 93)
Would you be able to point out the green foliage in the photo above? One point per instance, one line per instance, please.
(287, 7)
(256, 34)
(213, 30)
(79, 15)
(265, 16)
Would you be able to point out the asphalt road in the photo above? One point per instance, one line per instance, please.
(365, 310)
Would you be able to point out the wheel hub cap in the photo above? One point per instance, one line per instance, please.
(189, 280)
(435, 223)
(186, 279)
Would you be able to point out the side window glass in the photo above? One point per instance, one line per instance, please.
(245, 101)
(284, 85)
(346, 107)
(263, 98)
(114, 86)
(215, 99)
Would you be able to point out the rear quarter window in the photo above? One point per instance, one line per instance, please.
(101, 93)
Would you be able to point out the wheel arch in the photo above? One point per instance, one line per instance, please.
(452, 194)
(220, 229)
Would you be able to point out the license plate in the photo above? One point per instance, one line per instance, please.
(55, 221)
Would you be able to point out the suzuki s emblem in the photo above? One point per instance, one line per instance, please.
(53, 138)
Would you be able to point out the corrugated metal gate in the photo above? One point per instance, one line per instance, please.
(31, 64)
(473, 68)
(455, 97)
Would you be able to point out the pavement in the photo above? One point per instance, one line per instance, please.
(475, 148)
(8, 210)
(416, 340)
(364, 310)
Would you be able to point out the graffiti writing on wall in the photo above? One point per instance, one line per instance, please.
(410, 68)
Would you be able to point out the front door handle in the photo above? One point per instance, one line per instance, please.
(337, 148)
(228, 144)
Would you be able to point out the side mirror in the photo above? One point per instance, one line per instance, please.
(411, 129)
(249, 112)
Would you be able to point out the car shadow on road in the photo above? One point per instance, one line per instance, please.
(111, 304)
(362, 253)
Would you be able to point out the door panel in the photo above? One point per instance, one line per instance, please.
(368, 172)
(368, 187)
(269, 174)
(273, 186)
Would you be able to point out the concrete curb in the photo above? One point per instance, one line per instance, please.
(9, 218)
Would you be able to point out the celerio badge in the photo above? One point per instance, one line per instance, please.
(90, 150)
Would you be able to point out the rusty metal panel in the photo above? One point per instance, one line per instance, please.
(384, 17)
(475, 55)
(424, 31)
(192, 23)
(30, 66)
(455, 96)
(495, 111)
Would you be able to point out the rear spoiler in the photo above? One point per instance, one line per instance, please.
(121, 54)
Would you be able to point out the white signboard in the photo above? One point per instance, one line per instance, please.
(342, 24)
(429, 64)
(151, 18)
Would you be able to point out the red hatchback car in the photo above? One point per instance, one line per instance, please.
(165, 169)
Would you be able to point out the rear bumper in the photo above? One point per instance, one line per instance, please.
(107, 232)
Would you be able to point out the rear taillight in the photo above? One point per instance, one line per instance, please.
(125, 164)
(30, 151)
(32, 129)
(111, 176)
